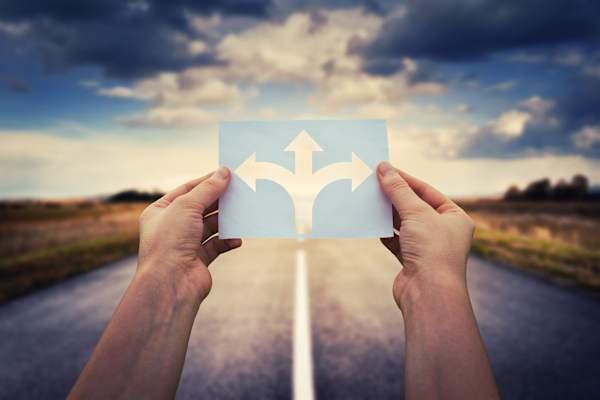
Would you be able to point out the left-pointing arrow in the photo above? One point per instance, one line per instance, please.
(251, 170)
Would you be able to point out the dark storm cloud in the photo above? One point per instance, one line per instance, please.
(126, 39)
(457, 30)
(576, 110)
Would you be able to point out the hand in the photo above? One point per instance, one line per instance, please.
(176, 235)
(433, 240)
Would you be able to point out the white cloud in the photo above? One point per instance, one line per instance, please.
(301, 49)
(587, 137)
(469, 177)
(166, 117)
(537, 104)
(511, 123)
(205, 25)
(119, 91)
(43, 163)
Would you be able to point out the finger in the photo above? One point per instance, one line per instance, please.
(209, 191)
(168, 198)
(396, 219)
(216, 246)
(211, 226)
(212, 208)
(397, 189)
(428, 193)
(392, 244)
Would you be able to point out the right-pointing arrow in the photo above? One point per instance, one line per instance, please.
(356, 170)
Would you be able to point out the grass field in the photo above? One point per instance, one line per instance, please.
(45, 242)
(42, 243)
(558, 240)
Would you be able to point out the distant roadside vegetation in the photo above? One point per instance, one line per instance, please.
(134, 196)
(43, 242)
(577, 189)
(550, 229)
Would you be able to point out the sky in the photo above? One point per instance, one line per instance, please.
(103, 95)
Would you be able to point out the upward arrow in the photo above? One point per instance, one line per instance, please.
(303, 146)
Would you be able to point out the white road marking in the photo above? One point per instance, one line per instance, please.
(303, 365)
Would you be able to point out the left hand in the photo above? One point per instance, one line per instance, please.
(177, 236)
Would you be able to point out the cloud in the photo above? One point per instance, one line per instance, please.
(170, 117)
(262, 54)
(416, 150)
(460, 30)
(566, 125)
(511, 123)
(587, 137)
(178, 100)
(125, 39)
(45, 163)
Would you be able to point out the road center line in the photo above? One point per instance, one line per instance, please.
(303, 366)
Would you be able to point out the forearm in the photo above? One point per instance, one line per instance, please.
(142, 351)
(445, 356)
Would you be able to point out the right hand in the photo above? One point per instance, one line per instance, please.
(433, 240)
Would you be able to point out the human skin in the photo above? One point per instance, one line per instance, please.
(445, 355)
(142, 350)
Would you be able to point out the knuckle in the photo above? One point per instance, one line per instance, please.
(212, 185)
(182, 202)
(397, 184)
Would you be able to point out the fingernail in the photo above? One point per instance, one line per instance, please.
(385, 168)
(222, 173)
(235, 242)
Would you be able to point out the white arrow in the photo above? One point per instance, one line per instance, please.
(356, 170)
(251, 170)
(303, 146)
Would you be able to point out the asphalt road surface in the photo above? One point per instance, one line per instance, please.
(543, 339)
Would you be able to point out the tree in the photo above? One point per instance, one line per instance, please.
(513, 193)
(538, 190)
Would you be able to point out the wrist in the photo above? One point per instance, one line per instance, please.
(419, 296)
(181, 286)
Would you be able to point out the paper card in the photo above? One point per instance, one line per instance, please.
(304, 179)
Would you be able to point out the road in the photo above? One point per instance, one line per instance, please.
(543, 340)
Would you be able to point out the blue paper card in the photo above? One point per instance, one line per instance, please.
(304, 179)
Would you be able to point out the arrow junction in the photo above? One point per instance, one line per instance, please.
(303, 176)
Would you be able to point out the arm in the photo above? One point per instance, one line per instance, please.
(445, 356)
(141, 352)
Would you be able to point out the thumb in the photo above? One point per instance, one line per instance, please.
(209, 191)
(398, 191)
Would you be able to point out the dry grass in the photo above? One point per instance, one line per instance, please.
(42, 243)
(555, 239)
